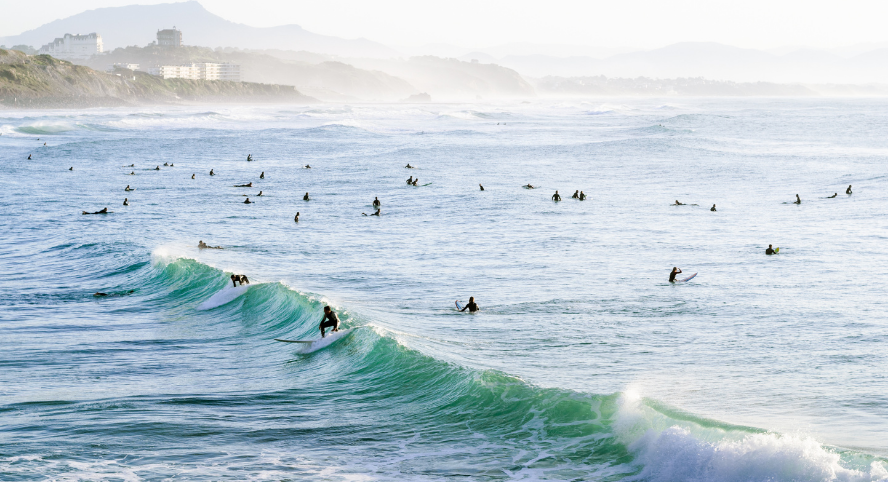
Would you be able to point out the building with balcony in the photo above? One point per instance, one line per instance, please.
(74, 47)
(199, 71)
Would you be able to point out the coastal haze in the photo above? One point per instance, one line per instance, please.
(689, 135)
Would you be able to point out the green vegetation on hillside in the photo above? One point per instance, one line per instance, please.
(44, 81)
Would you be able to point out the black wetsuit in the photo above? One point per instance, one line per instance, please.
(330, 320)
(672, 276)
(769, 251)
(472, 307)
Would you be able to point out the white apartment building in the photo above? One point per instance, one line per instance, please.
(199, 71)
(74, 47)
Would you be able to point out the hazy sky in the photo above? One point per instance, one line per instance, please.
(484, 23)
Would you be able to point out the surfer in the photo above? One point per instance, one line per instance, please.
(305, 198)
(678, 203)
(249, 157)
(481, 186)
(576, 194)
(192, 176)
(415, 181)
(203, 245)
(71, 168)
(529, 186)
(249, 184)
(29, 157)
(296, 219)
(834, 195)
(674, 272)
(410, 180)
(248, 201)
(582, 196)
(848, 191)
(166, 163)
(408, 166)
(376, 202)
(212, 173)
(556, 197)
(243, 279)
(131, 165)
(132, 173)
(307, 166)
(234, 279)
(260, 193)
(329, 320)
(103, 211)
(770, 250)
(99, 294)
(798, 200)
(712, 208)
(126, 201)
(128, 188)
(157, 168)
(471, 305)
(262, 176)
(374, 214)
(172, 165)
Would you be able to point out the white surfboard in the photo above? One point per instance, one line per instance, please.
(309, 346)
(224, 296)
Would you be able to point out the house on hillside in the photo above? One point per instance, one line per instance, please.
(74, 47)
(169, 37)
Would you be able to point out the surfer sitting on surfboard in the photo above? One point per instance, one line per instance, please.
(330, 320)
(770, 249)
(674, 272)
(471, 306)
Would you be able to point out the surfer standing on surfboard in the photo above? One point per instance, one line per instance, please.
(674, 272)
(330, 320)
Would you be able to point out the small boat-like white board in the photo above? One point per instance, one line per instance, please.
(309, 346)
(224, 296)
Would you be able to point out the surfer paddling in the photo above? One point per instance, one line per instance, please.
(471, 305)
(672, 275)
(103, 211)
(203, 245)
(329, 320)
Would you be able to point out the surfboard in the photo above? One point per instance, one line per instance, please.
(776, 250)
(309, 346)
(224, 296)
(688, 278)
(458, 306)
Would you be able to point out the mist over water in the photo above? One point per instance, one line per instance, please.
(584, 363)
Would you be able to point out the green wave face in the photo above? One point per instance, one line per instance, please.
(407, 414)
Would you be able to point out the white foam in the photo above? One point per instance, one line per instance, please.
(224, 296)
(670, 450)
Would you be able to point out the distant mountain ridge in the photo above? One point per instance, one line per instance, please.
(138, 25)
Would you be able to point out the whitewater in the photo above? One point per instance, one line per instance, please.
(584, 362)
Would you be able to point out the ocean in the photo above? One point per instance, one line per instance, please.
(584, 363)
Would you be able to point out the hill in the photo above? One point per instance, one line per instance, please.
(138, 25)
(313, 74)
(43, 81)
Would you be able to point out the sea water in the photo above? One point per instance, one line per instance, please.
(584, 362)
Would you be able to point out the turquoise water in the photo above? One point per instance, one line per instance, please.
(584, 363)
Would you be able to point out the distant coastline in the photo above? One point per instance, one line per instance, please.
(41, 81)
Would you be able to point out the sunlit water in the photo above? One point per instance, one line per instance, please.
(584, 363)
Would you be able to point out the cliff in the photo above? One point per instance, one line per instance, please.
(42, 81)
